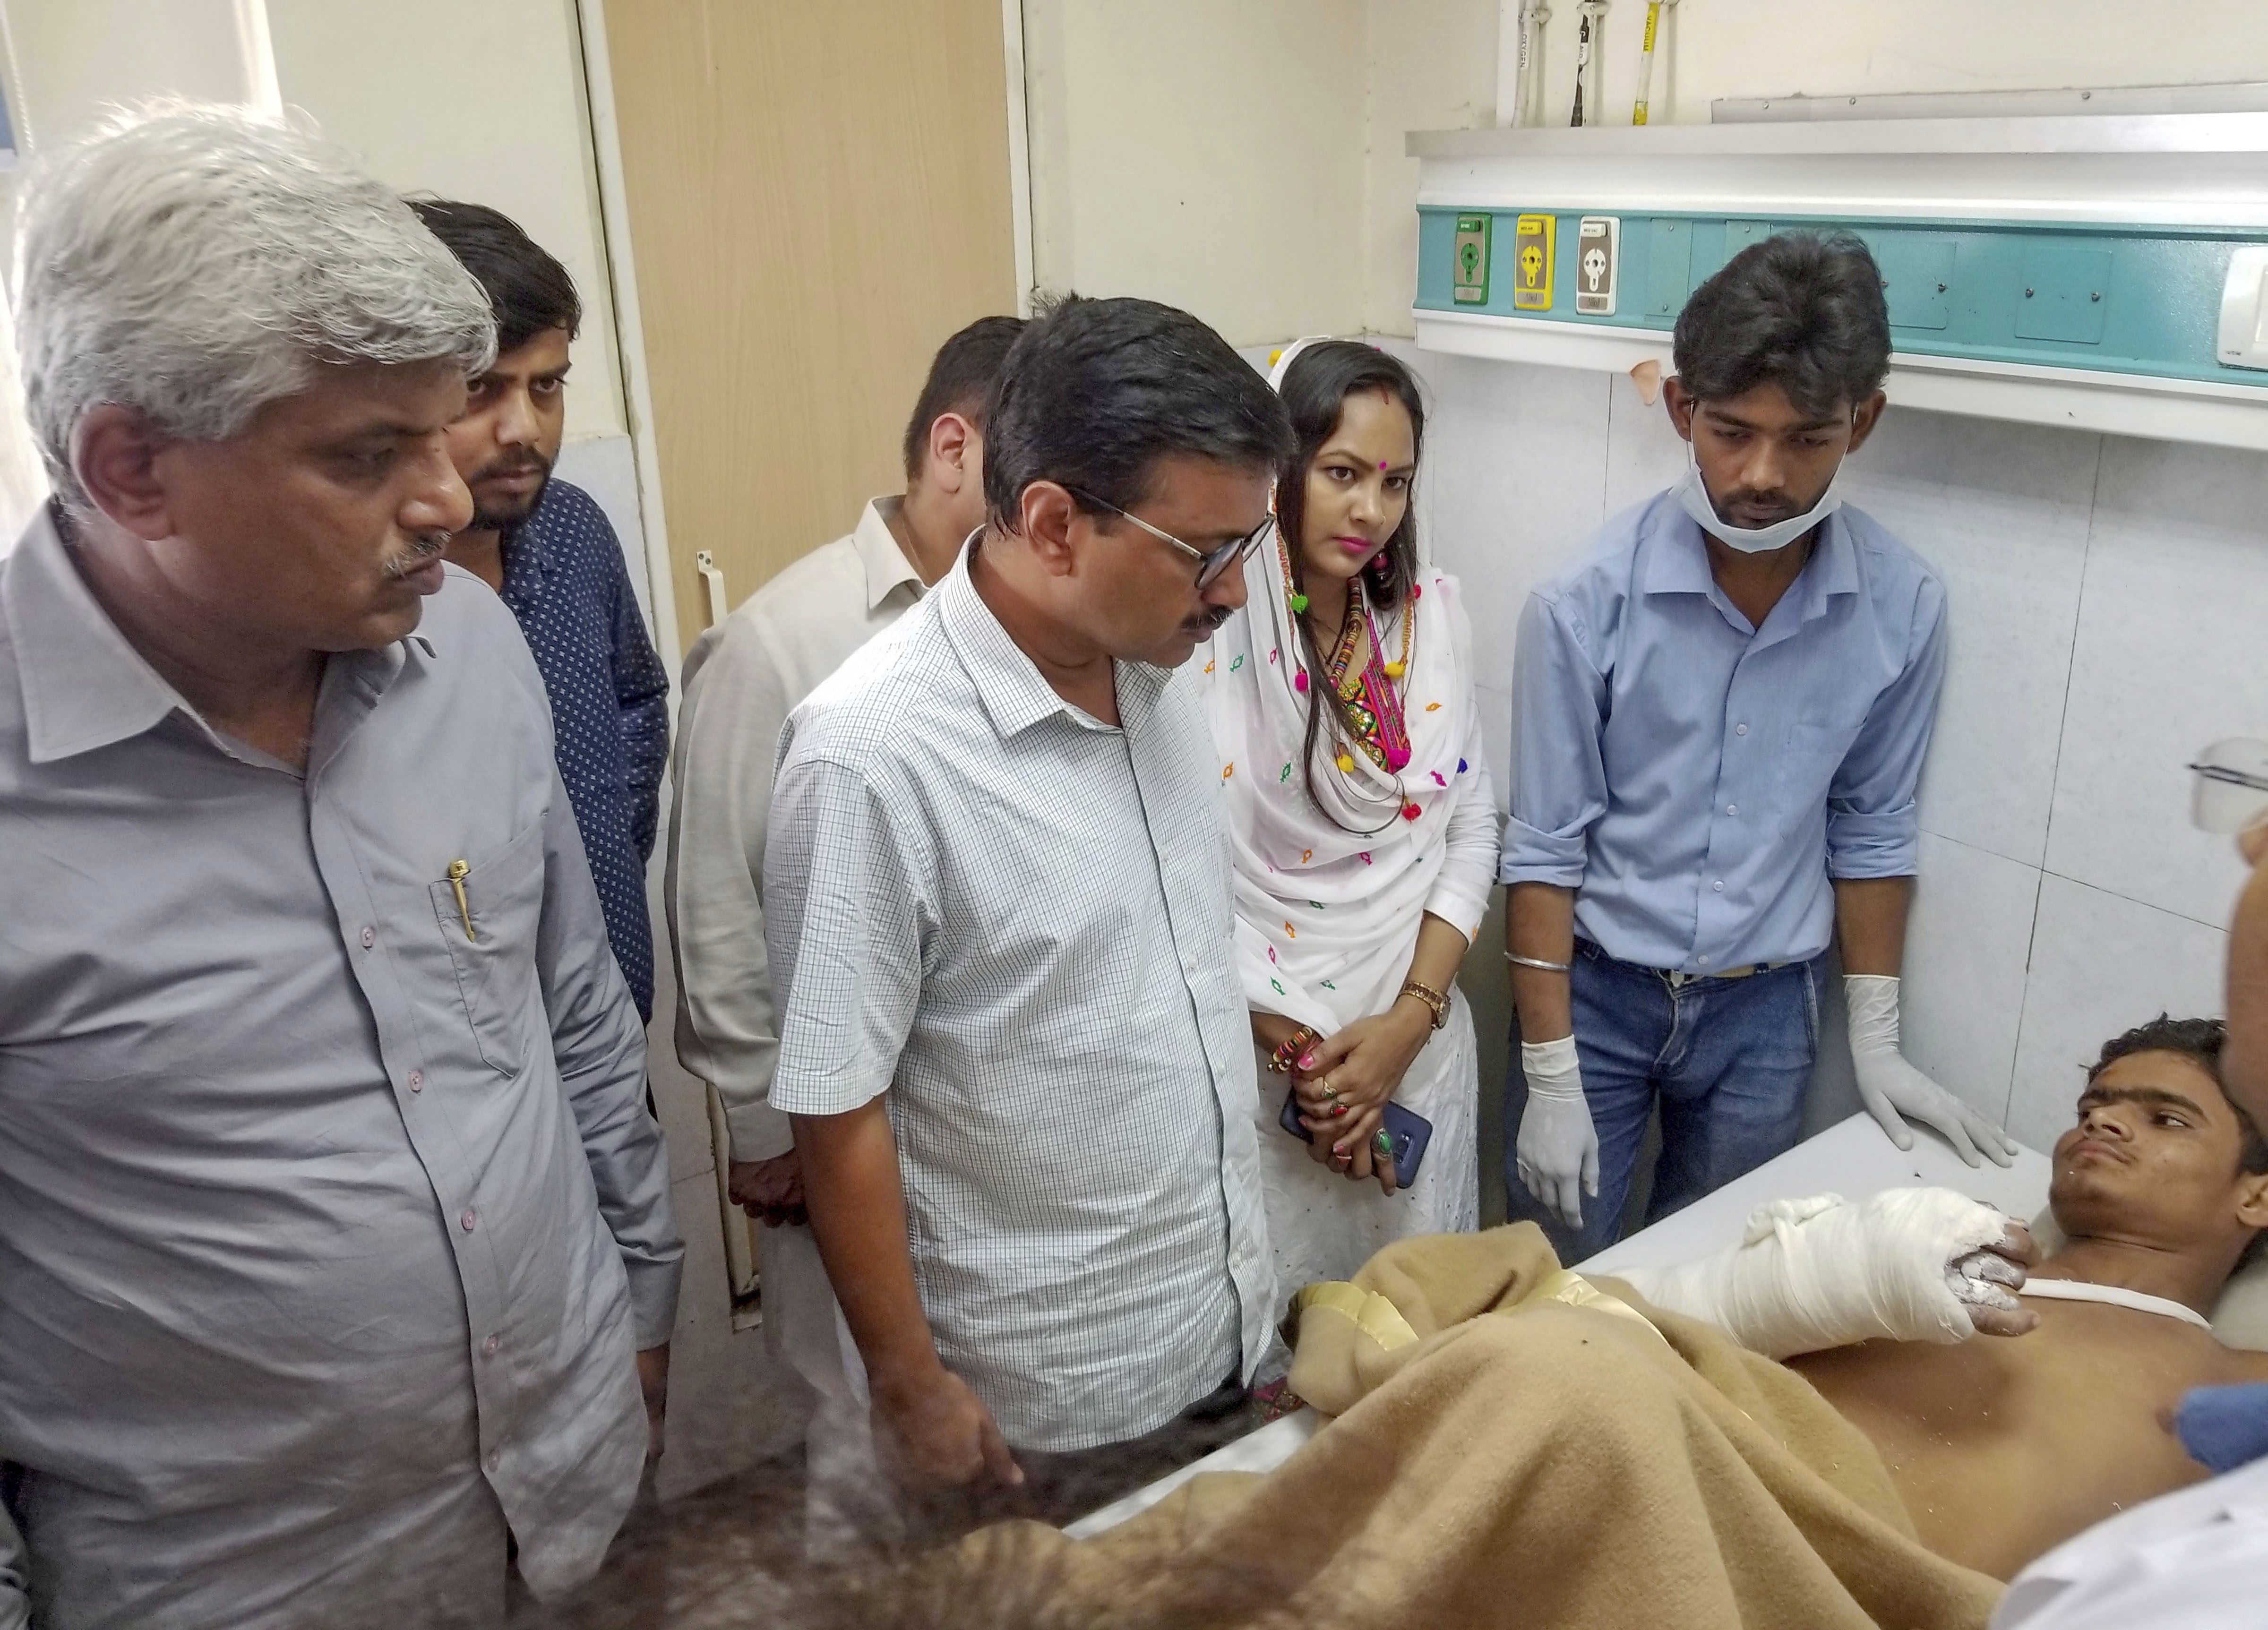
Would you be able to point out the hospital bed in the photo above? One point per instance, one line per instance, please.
(1853, 1158)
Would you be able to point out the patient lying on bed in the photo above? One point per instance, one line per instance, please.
(2003, 1449)
(1515, 1444)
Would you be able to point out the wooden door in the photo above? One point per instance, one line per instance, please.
(818, 194)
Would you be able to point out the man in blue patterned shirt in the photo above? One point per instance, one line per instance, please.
(548, 550)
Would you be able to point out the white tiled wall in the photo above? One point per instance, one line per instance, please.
(2109, 617)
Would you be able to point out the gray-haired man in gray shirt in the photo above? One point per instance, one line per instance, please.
(331, 1214)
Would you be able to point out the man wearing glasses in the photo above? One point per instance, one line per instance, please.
(1011, 1036)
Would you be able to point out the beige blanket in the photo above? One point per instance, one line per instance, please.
(1514, 1447)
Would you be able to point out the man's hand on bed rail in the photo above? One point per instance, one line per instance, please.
(1894, 1092)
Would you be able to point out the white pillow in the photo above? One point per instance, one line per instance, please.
(2240, 1318)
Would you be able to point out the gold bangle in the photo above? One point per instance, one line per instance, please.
(1433, 1000)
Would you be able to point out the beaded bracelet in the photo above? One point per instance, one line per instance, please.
(1288, 1050)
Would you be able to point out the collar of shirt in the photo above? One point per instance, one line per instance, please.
(1677, 562)
(1016, 694)
(84, 684)
(84, 687)
(886, 563)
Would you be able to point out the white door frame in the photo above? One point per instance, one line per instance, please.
(629, 333)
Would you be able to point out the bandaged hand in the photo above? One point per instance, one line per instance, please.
(1893, 1090)
(1557, 1152)
(1908, 1265)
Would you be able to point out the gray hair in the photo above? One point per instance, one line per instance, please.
(197, 263)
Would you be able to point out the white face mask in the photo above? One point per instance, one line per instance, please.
(1693, 497)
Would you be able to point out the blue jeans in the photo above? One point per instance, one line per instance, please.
(1729, 1060)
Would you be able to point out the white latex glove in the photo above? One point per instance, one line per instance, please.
(1557, 1154)
(1892, 1089)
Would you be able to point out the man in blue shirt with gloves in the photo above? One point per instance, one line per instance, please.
(1722, 709)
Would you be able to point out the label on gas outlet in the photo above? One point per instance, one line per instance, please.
(1598, 263)
(1531, 281)
(1468, 261)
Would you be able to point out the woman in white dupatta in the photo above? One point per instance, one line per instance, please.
(1362, 824)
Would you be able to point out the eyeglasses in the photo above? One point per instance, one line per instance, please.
(2231, 785)
(1211, 562)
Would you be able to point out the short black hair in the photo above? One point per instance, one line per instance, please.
(528, 288)
(961, 379)
(1094, 392)
(2200, 1040)
(1803, 311)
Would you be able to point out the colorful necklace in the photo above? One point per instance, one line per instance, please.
(1368, 692)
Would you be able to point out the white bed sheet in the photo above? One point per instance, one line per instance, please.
(1854, 1158)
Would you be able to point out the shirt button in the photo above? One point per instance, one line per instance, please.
(1702, 960)
(1739, 730)
(418, 1080)
(1719, 885)
(489, 1347)
(1731, 809)
(495, 1458)
(369, 938)
(471, 1216)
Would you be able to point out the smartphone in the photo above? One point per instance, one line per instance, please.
(1410, 1131)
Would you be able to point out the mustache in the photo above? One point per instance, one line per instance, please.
(523, 464)
(424, 547)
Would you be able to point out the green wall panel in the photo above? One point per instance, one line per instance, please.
(2122, 298)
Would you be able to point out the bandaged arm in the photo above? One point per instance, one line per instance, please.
(1906, 1265)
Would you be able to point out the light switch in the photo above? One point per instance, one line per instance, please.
(2243, 342)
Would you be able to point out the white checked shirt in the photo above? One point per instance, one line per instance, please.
(1016, 921)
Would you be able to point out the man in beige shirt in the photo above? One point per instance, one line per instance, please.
(743, 678)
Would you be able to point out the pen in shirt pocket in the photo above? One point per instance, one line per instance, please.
(457, 871)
